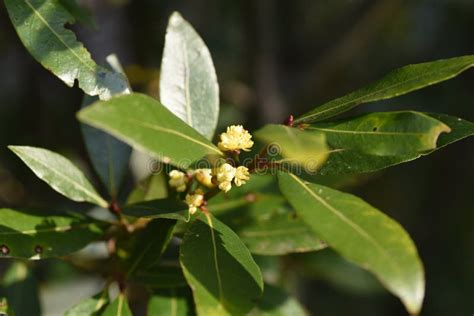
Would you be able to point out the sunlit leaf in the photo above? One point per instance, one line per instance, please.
(40, 26)
(383, 134)
(361, 234)
(188, 81)
(147, 125)
(304, 149)
(219, 268)
(170, 302)
(118, 307)
(59, 173)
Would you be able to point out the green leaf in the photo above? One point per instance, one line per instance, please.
(163, 208)
(219, 268)
(263, 219)
(361, 234)
(38, 235)
(160, 277)
(351, 161)
(108, 155)
(188, 81)
(80, 13)
(119, 307)
(150, 243)
(276, 302)
(384, 134)
(397, 82)
(302, 148)
(146, 125)
(21, 290)
(90, 306)
(169, 303)
(40, 26)
(59, 173)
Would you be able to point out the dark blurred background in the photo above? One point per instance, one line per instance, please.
(276, 58)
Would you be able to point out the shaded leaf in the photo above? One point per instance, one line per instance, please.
(188, 81)
(384, 134)
(59, 173)
(170, 302)
(150, 243)
(21, 290)
(108, 155)
(146, 125)
(305, 149)
(160, 277)
(90, 306)
(38, 235)
(118, 307)
(276, 302)
(163, 208)
(397, 82)
(79, 12)
(219, 268)
(40, 26)
(361, 234)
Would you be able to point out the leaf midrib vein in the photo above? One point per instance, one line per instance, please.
(37, 13)
(92, 195)
(356, 100)
(353, 225)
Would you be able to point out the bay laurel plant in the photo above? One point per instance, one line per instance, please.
(187, 235)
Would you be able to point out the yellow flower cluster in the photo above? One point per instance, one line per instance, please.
(226, 173)
(178, 180)
(194, 201)
(235, 138)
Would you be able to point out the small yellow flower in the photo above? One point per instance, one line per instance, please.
(204, 176)
(178, 180)
(225, 174)
(194, 201)
(235, 138)
(242, 175)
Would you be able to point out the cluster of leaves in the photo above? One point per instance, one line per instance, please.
(154, 241)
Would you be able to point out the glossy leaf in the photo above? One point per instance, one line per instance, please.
(361, 234)
(384, 134)
(118, 307)
(160, 277)
(108, 155)
(276, 302)
(169, 303)
(40, 26)
(397, 82)
(21, 290)
(90, 306)
(150, 243)
(59, 173)
(188, 81)
(353, 161)
(163, 208)
(306, 149)
(219, 268)
(147, 125)
(38, 235)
